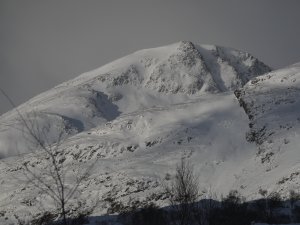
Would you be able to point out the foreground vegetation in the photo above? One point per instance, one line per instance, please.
(186, 208)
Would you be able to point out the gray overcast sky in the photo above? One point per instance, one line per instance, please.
(43, 43)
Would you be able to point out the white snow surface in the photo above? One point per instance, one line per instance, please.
(146, 79)
(272, 104)
(138, 116)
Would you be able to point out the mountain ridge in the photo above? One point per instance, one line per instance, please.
(163, 75)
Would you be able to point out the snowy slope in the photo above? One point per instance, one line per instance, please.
(137, 151)
(148, 78)
(272, 104)
(138, 116)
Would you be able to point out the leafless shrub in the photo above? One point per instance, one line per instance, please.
(56, 179)
(184, 193)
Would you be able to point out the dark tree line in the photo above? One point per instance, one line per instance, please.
(186, 208)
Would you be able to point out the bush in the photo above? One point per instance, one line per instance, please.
(184, 193)
(150, 215)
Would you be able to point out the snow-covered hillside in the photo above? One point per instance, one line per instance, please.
(136, 117)
(146, 79)
(272, 104)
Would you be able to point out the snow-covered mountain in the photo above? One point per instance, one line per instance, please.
(146, 79)
(138, 116)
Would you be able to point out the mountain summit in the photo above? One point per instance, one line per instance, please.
(147, 78)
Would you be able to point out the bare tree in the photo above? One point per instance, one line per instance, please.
(53, 179)
(184, 193)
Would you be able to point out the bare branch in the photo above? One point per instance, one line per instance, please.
(52, 180)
